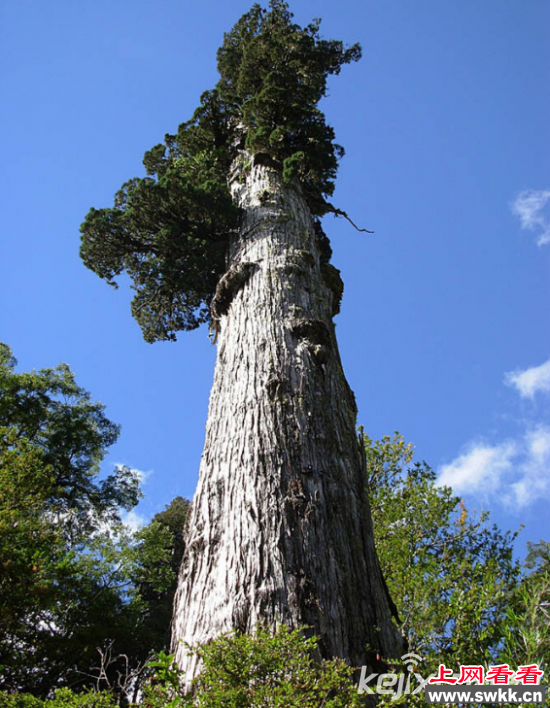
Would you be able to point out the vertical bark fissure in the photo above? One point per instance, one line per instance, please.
(280, 528)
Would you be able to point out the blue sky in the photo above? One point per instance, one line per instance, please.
(444, 327)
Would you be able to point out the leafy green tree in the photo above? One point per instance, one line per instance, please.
(32, 549)
(160, 554)
(58, 420)
(59, 584)
(450, 575)
(74, 580)
(117, 605)
(144, 567)
(526, 625)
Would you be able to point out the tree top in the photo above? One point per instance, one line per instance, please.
(170, 231)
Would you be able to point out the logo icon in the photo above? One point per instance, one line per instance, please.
(394, 684)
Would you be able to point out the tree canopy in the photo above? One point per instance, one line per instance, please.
(46, 415)
(170, 231)
(73, 578)
(451, 575)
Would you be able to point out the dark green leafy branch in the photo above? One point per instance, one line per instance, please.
(170, 231)
(170, 235)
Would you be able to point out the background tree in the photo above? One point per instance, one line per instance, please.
(70, 434)
(525, 626)
(226, 228)
(160, 549)
(451, 576)
(54, 598)
(73, 578)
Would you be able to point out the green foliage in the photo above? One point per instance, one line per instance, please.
(267, 669)
(74, 579)
(19, 700)
(60, 603)
(273, 74)
(47, 412)
(450, 575)
(170, 231)
(526, 625)
(60, 581)
(170, 236)
(164, 687)
(32, 550)
(62, 698)
(160, 552)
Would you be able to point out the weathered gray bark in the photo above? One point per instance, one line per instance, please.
(280, 527)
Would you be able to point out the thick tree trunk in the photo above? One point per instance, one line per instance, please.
(280, 526)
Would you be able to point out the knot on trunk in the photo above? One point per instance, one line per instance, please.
(226, 289)
(275, 386)
(315, 331)
(334, 282)
(296, 495)
(241, 616)
(302, 595)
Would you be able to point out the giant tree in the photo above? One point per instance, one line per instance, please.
(225, 229)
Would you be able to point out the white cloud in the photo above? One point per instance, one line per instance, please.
(535, 466)
(480, 468)
(515, 471)
(530, 381)
(134, 521)
(529, 206)
(538, 444)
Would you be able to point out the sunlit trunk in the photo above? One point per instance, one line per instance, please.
(280, 527)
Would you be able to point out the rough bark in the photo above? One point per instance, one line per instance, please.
(280, 527)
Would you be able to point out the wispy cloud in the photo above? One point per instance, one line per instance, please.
(529, 206)
(515, 471)
(534, 481)
(480, 468)
(530, 381)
